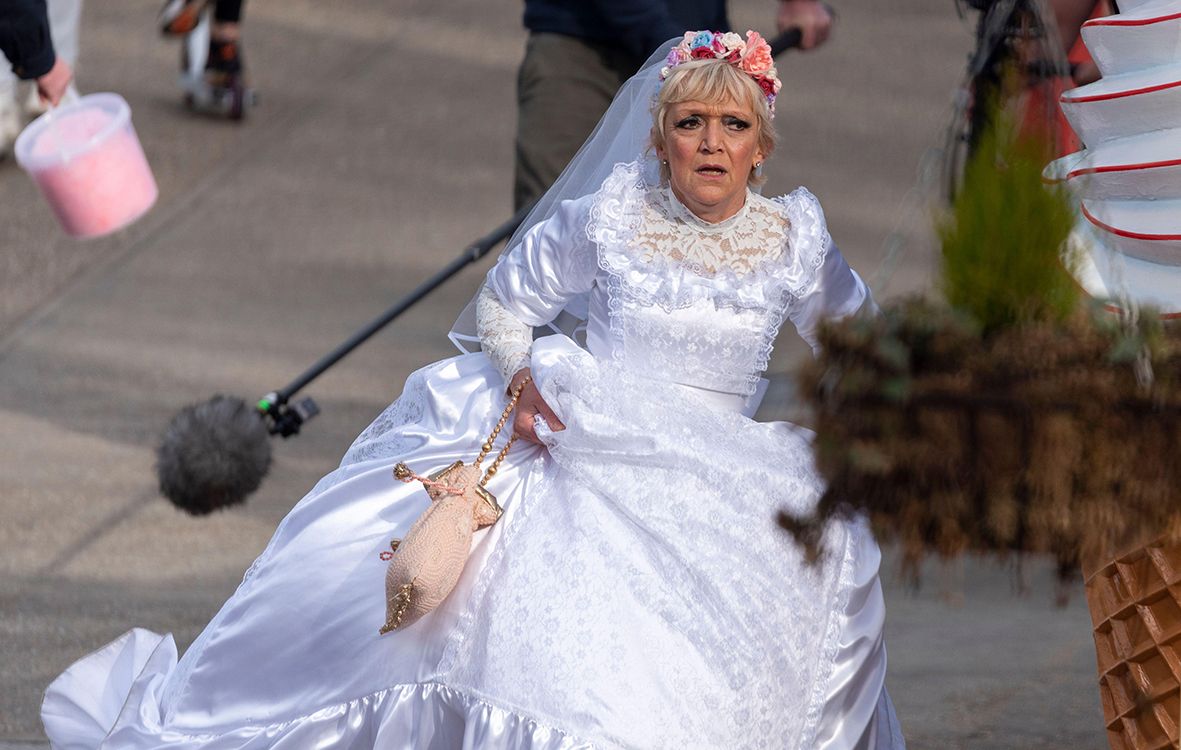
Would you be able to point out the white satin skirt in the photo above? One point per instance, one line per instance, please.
(637, 593)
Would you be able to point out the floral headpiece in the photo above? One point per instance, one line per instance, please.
(752, 56)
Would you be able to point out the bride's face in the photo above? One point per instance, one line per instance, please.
(711, 150)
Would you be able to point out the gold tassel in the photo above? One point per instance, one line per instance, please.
(401, 601)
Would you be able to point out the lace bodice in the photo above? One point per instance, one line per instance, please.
(746, 242)
(670, 295)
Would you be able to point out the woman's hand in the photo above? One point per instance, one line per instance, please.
(529, 405)
(52, 86)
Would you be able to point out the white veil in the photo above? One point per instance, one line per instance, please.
(621, 136)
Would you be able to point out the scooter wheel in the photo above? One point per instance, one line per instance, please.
(237, 103)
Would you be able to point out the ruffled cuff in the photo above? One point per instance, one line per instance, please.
(504, 338)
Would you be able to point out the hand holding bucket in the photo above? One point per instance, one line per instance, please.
(87, 161)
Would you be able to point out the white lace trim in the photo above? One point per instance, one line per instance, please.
(503, 337)
(382, 439)
(680, 211)
(771, 247)
(702, 554)
(758, 262)
(740, 245)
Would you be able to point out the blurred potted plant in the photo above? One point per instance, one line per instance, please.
(1011, 416)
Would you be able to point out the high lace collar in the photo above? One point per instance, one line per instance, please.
(617, 216)
(677, 210)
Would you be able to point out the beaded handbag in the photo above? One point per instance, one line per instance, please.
(426, 564)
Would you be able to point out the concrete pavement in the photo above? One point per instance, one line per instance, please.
(383, 145)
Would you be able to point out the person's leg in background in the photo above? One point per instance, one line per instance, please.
(564, 86)
(65, 19)
(11, 120)
(181, 17)
(225, 49)
(19, 101)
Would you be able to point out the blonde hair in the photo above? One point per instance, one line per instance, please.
(713, 82)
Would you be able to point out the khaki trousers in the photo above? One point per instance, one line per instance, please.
(564, 86)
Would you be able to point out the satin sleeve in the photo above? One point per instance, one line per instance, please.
(838, 292)
(553, 263)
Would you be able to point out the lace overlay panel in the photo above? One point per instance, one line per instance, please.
(503, 337)
(702, 303)
(383, 439)
(742, 245)
(707, 593)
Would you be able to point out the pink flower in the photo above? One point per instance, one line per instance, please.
(766, 84)
(756, 58)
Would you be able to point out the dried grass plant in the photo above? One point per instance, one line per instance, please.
(1009, 418)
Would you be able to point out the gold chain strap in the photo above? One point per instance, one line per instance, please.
(487, 447)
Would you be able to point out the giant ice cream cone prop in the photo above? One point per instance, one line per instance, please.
(1135, 602)
(1128, 246)
(1128, 178)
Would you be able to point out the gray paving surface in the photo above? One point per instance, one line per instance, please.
(382, 146)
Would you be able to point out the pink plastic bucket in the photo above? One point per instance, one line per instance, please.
(87, 162)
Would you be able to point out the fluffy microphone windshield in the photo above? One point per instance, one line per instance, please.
(213, 455)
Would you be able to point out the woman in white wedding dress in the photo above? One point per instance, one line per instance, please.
(637, 591)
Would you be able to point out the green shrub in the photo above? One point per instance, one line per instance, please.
(1002, 240)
